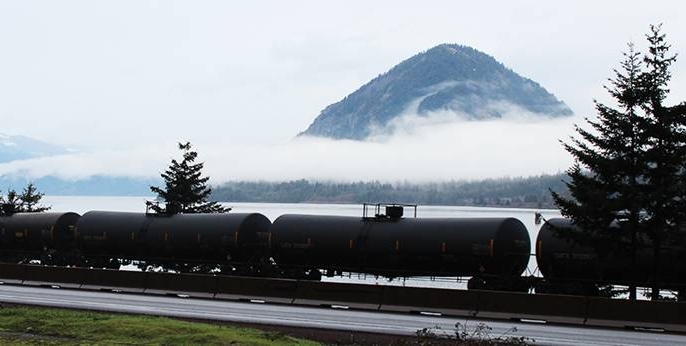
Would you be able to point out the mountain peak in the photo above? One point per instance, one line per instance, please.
(447, 77)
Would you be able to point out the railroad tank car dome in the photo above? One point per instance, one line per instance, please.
(38, 231)
(405, 246)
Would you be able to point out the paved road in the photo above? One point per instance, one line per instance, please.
(311, 317)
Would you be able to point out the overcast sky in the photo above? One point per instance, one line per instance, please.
(127, 79)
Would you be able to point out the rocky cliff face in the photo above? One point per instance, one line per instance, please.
(448, 77)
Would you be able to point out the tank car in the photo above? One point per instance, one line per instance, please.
(180, 238)
(393, 246)
(48, 237)
(575, 267)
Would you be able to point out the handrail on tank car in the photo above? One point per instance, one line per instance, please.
(388, 206)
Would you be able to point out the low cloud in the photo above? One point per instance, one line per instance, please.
(435, 147)
(138, 163)
(439, 146)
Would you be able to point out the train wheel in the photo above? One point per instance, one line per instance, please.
(313, 274)
(113, 263)
(476, 283)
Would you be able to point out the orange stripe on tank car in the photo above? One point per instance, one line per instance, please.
(539, 245)
(166, 236)
(443, 247)
(352, 243)
(490, 247)
(235, 237)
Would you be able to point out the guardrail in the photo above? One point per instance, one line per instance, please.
(577, 310)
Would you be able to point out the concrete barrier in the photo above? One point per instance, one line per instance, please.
(523, 306)
(603, 312)
(248, 289)
(194, 285)
(600, 312)
(12, 273)
(338, 294)
(38, 275)
(431, 300)
(113, 280)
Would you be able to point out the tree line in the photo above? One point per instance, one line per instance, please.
(530, 192)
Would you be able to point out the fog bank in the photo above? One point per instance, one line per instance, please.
(433, 148)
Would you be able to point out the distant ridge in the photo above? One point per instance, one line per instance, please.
(96, 185)
(449, 77)
(21, 148)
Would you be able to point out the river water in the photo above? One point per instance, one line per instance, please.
(82, 204)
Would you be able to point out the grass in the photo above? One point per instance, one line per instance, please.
(47, 326)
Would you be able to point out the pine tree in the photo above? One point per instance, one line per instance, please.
(631, 170)
(666, 154)
(28, 201)
(185, 189)
(12, 202)
(605, 181)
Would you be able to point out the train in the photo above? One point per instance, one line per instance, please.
(573, 267)
(492, 252)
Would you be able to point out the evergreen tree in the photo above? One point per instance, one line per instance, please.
(605, 181)
(185, 189)
(28, 201)
(630, 171)
(666, 153)
(13, 200)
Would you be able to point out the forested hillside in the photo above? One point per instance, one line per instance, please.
(531, 192)
(449, 77)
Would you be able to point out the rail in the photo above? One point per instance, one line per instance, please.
(575, 310)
